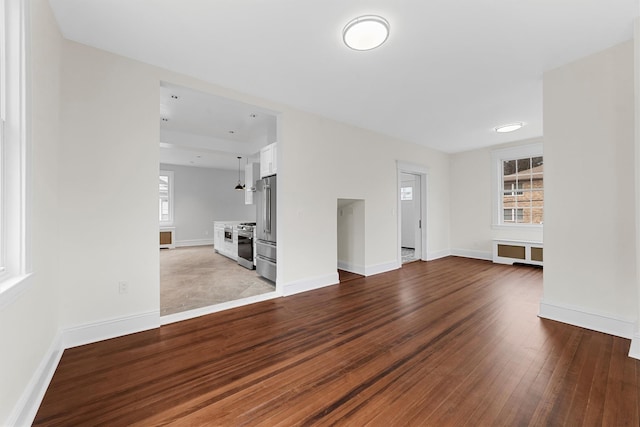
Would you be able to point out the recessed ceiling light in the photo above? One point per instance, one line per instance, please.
(509, 128)
(366, 32)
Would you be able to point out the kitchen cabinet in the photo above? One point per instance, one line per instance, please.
(251, 175)
(222, 246)
(218, 236)
(268, 160)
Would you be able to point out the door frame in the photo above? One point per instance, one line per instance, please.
(423, 173)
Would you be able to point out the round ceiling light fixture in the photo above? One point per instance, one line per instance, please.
(365, 32)
(509, 128)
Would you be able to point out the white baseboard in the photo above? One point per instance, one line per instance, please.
(370, 270)
(25, 410)
(438, 254)
(310, 284)
(27, 407)
(190, 314)
(577, 316)
(466, 253)
(111, 328)
(195, 242)
(634, 350)
(353, 268)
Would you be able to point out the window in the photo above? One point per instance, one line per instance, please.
(519, 186)
(13, 152)
(406, 193)
(165, 208)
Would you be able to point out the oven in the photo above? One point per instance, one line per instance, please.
(228, 233)
(245, 245)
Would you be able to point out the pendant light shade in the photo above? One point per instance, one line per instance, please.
(239, 186)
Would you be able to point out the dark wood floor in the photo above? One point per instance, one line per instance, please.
(446, 343)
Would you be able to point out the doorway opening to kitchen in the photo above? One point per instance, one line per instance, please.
(412, 207)
(211, 149)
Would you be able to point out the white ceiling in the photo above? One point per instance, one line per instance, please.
(449, 73)
(198, 129)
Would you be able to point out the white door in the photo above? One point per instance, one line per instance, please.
(411, 213)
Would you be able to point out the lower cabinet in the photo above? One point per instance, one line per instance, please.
(222, 246)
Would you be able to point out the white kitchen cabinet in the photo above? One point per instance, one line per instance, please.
(251, 175)
(218, 236)
(222, 246)
(268, 160)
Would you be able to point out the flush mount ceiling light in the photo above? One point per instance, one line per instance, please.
(366, 32)
(509, 128)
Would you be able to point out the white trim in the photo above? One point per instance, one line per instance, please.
(25, 410)
(467, 253)
(423, 173)
(194, 242)
(370, 270)
(584, 318)
(15, 184)
(111, 328)
(11, 289)
(27, 406)
(352, 268)
(310, 284)
(438, 254)
(634, 349)
(190, 314)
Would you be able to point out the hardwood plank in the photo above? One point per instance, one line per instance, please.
(447, 342)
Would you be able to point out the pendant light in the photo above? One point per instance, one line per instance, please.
(239, 186)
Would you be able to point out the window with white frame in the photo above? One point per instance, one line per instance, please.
(13, 150)
(519, 186)
(165, 207)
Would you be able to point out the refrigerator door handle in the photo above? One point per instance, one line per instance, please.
(267, 210)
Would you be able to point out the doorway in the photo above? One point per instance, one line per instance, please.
(211, 148)
(412, 197)
(410, 217)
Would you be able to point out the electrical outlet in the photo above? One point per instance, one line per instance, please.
(123, 287)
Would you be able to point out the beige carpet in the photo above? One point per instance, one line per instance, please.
(194, 277)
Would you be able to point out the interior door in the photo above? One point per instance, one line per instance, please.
(411, 213)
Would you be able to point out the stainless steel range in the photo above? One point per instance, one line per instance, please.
(246, 238)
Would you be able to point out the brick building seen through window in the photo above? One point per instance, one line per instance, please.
(523, 191)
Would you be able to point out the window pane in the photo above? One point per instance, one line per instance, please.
(509, 167)
(406, 193)
(524, 165)
(523, 216)
(508, 215)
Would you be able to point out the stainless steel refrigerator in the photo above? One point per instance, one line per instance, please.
(266, 220)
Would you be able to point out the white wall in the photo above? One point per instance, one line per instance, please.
(204, 195)
(472, 228)
(108, 181)
(29, 325)
(96, 161)
(589, 200)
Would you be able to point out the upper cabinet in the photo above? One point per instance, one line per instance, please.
(268, 160)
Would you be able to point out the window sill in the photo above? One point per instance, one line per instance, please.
(529, 227)
(12, 288)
